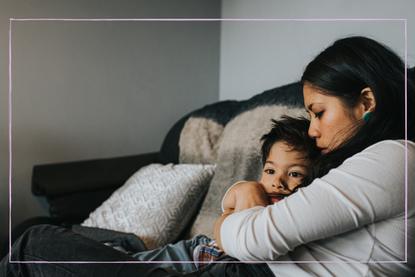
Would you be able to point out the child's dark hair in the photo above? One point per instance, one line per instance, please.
(294, 133)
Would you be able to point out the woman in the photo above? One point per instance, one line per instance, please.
(354, 210)
(354, 216)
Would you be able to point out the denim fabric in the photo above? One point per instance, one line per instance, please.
(43, 243)
(180, 251)
(124, 242)
(50, 243)
(234, 268)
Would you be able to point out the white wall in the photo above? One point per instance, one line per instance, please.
(256, 56)
(87, 90)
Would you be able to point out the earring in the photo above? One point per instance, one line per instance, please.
(367, 116)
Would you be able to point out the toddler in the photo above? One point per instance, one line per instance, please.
(287, 156)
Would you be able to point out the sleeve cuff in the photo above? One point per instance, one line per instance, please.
(221, 205)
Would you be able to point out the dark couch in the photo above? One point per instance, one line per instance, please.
(74, 189)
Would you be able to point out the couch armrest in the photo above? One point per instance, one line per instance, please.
(76, 207)
(58, 179)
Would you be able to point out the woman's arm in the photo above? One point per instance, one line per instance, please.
(368, 187)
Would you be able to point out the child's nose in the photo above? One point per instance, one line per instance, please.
(277, 185)
(278, 188)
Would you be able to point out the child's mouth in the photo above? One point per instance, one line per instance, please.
(274, 200)
(275, 197)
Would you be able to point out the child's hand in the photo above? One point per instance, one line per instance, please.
(249, 195)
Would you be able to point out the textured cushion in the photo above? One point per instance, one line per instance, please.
(156, 203)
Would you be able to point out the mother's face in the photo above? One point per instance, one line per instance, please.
(330, 121)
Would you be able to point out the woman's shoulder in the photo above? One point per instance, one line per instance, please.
(385, 155)
(391, 146)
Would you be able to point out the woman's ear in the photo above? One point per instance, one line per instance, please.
(368, 99)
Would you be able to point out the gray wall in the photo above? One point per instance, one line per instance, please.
(87, 90)
(256, 56)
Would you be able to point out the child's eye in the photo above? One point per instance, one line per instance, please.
(269, 171)
(295, 174)
(319, 114)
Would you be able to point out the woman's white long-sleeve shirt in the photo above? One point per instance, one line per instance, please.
(350, 222)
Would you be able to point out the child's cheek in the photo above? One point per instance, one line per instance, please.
(262, 184)
(263, 181)
(264, 187)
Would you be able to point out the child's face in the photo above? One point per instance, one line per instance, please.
(283, 171)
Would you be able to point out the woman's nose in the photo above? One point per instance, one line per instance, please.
(313, 131)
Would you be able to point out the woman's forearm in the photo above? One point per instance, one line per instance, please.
(348, 198)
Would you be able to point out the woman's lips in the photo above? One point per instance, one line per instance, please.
(324, 151)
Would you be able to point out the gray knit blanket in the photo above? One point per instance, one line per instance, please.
(228, 134)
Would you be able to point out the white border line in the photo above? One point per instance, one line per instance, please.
(211, 19)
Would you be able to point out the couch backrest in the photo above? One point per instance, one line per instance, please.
(228, 134)
(169, 151)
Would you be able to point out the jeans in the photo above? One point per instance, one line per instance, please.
(180, 251)
(43, 243)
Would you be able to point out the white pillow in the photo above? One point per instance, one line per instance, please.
(156, 203)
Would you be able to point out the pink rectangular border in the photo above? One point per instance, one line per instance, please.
(209, 19)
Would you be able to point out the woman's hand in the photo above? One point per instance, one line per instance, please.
(249, 195)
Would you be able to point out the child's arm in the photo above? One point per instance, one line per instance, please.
(240, 197)
(244, 195)
(229, 200)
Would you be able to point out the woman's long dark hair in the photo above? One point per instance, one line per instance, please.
(343, 70)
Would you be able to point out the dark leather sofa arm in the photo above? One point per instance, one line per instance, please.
(51, 180)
